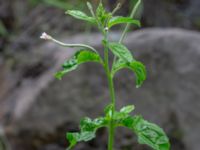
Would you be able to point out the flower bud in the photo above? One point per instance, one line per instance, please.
(45, 36)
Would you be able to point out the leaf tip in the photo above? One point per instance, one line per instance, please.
(138, 86)
(139, 24)
(89, 5)
(58, 75)
(67, 12)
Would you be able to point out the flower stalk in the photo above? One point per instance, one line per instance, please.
(45, 36)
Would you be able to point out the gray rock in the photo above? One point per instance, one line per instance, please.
(172, 13)
(45, 107)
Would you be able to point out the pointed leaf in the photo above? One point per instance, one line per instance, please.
(81, 15)
(148, 133)
(118, 116)
(119, 20)
(101, 14)
(127, 109)
(88, 124)
(74, 138)
(88, 129)
(121, 51)
(137, 67)
(108, 110)
(80, 57)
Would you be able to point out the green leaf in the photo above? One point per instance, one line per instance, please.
(88, 129)
(81, 15)
(127, 109)
(121, 51)
(80, 57)
(137, 67)
(119, 20)
(101, 14)
(148, 133)
(74, 138)
(88, 124)
(108, 110)
(119, 116)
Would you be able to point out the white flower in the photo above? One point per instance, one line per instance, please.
(45, 36)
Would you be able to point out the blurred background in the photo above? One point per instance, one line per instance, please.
(36, 110)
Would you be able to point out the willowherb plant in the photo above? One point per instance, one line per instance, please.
(148, 133)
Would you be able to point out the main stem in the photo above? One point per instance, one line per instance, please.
(110, 79)
(112, 94)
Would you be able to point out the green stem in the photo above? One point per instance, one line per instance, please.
(112, 93)
(128, 24)
(111, 126)
(110, 79)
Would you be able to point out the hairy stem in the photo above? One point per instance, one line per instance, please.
(112, 93)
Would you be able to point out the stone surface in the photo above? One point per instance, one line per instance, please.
(172, 13)
(44, 108)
